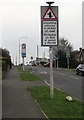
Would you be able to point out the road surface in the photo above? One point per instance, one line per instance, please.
(67, 81)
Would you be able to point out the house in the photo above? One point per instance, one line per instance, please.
(39, 60)
(79, 55)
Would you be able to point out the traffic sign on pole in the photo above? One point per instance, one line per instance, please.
(49, 34)
(49, 25)
(23, 50)
(49, 14)
(23, 53)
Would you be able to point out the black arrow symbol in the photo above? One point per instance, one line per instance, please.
(50, 15)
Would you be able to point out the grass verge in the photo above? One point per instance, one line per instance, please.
(27, 76)
(57, 107)
(20, 69)
(69, 69)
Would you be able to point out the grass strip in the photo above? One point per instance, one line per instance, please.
(27, 76)
(69, 69)
(20, 69)
(57, 107)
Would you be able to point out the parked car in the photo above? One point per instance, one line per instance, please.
(33, 64)
(47, 65)
(80, 69)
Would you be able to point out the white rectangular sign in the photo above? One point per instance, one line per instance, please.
(49, 33)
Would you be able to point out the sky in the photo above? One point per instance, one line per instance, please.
(20, 22)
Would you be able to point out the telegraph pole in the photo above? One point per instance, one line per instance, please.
(37, 54)
(68, 56)
(19, 51)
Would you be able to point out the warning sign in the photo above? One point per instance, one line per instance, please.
(49, 25)
(49, 15)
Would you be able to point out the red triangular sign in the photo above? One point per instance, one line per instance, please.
(49, 15)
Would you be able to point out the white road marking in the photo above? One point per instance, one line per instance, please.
(74, 77)
(47, 83)
(43, 72)
(61, 74)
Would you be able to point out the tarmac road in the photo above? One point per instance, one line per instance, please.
(67, 81)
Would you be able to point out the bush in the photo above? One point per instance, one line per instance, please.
(42, 63)
(4, 66)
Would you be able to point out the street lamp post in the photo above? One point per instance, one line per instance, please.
(68, 56)
(19, 51)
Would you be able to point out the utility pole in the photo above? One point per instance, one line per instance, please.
(19, 51)
(13, 58)
(57, 62)
(68, 62)
(16, 60)
(68, 56)
(37, 54)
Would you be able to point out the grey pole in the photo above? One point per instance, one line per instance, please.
(57, 63)
(19, 47)
(37, 54)
(23, 63)
(51, 67)
(68, 62)
(19, 51)
(51, 75)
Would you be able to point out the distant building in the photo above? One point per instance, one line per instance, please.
(79, 55)
(42, 60)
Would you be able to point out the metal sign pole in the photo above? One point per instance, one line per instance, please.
(23, 63)
(49, 34)
(51, 67)
(68, 62)
(57, 63)
(51, 75)
(19, 52)
(23, 53)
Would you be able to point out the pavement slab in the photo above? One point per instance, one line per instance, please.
(17, 102)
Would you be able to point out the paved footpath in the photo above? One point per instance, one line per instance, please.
(16, 100)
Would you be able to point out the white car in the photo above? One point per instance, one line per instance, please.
(80, 69)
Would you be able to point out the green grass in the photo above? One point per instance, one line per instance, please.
(69, 69)
(20, 69)
(27, 76)
(57, 107)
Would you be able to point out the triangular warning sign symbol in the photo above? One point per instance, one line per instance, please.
(49, 15)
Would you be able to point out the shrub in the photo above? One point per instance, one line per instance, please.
(4, 66)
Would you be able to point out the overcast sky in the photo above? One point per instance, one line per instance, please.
(20, 20)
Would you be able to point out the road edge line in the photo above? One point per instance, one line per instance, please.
(41, 109)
